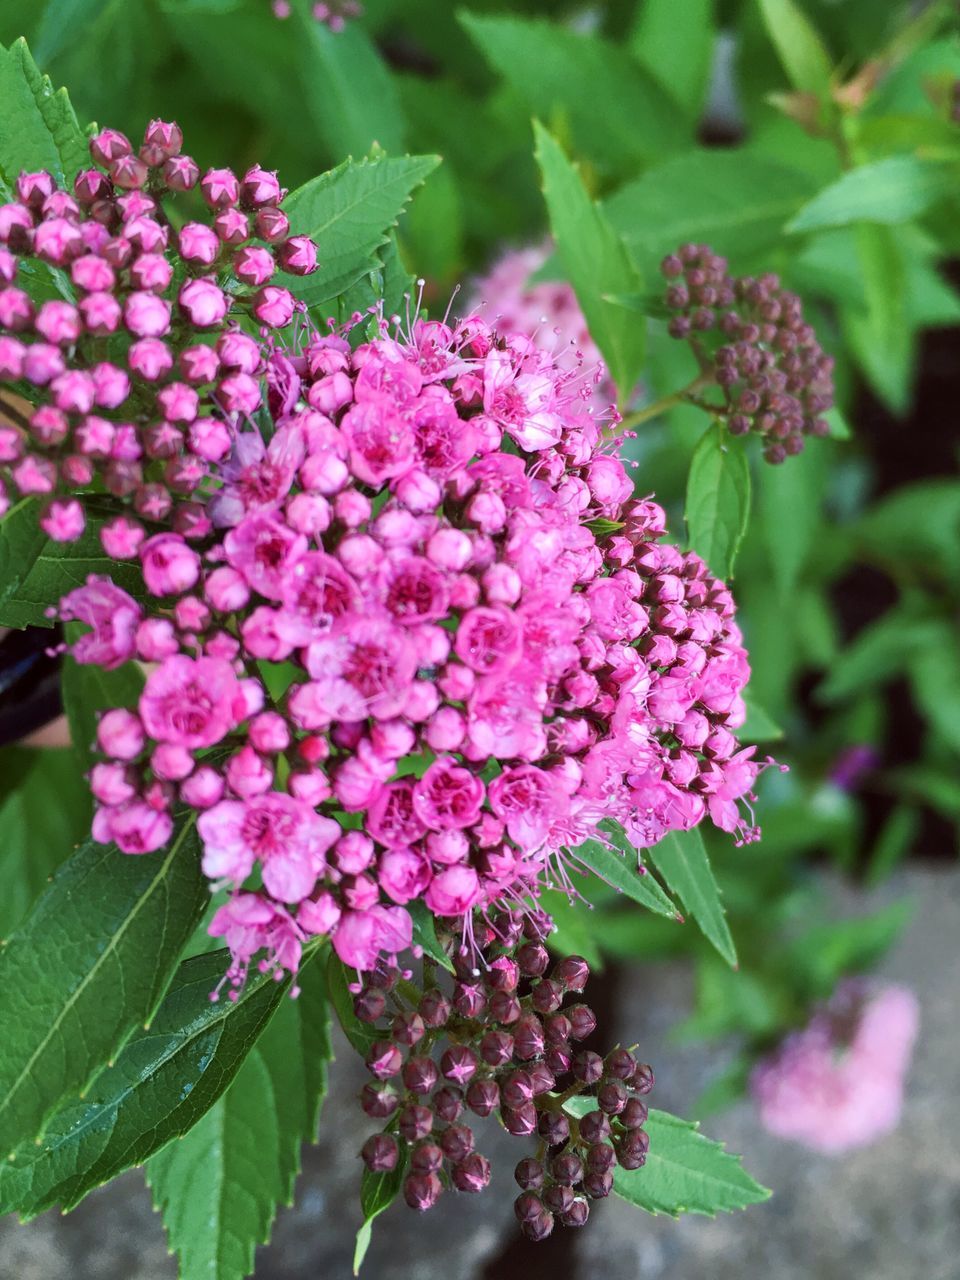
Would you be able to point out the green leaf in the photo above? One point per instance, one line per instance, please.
(360, 1034)
(574, 928)
(425, 933)
(88, 690)
(799, 47)
(618, 114)
(685, 1172)
(347, 88)
(880, 333)
(36, 572)
(759, 726)
(90, 962)
(735, 201)
(162, 1083)
(219, 1186)
(676, 47)
(40, 129)
(822, 955)
(377, 1192)
(880, 651)
(935, 676)
(718, 499)
(681, 859)
(37, 834)
(888, 191)
(790, 502)
(595, 262)
(615, 869)
(349, 212)
(917, 525)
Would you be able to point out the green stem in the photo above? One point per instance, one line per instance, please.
(685, 395)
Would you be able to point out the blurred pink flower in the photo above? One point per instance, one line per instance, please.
(838, 1083)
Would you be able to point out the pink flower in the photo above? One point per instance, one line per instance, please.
(283, 834)
(530, 801)
(264, 550)
(135, 827)
(380, 441)
(837, 1084)
(403, 874)
(113, 616)
(362, 936)
(190, 701)
(489, 640)
(372, 657)
(169, 565)
(453, 891)
(448, 795)
(392, 818)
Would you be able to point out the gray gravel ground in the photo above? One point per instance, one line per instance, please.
(891, 1212)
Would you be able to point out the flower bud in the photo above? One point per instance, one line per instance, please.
(383, 1059)
(422, 1190)
(448, 1104)
(553, 1127)
(420, 1074)
(520, 1121)
(483, 1097)
(380, 1153)
(426, 1157)
(414, 1122)
(594, 1127)
(472, 1173)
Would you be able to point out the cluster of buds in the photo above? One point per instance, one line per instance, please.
(334, 14)
(133, 373)
(750, 333)
(501, 1043)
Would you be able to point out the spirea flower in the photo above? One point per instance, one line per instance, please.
(750, 334)
(153, 410)
(412, 638)
(838, 1083)
(548, 310)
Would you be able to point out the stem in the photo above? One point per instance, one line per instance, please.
(684, 395)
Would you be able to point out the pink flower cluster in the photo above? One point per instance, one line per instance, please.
(334, 14)
(412, 637)
(131, 368)
(838, 1083)
(546, 310)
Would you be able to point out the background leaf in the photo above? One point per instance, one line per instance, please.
(38, 834)
(681, 859)
(595, 262)
(219, 1186)
(90, 962)
(718, 499)
(802, 52)
(88, 690)
(618, 114)
(888, 191)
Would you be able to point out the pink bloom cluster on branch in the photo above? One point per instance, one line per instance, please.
(837, 1084)
(412, 636)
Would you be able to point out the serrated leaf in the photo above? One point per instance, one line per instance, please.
(360, 1034)
(349, 211)
(219, 1186)
(40, 128)
(90, 962)
(36, 834)
(618, 113)
(896, 189)
(377, 1192)
(615, 869)
(685, 1171)
(425, 933)
(595, 262)
(735, 201)
(163, 1082)
(36, 572)
(718, 500)
(681, 858)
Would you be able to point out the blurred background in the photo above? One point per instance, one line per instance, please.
(712, 121)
